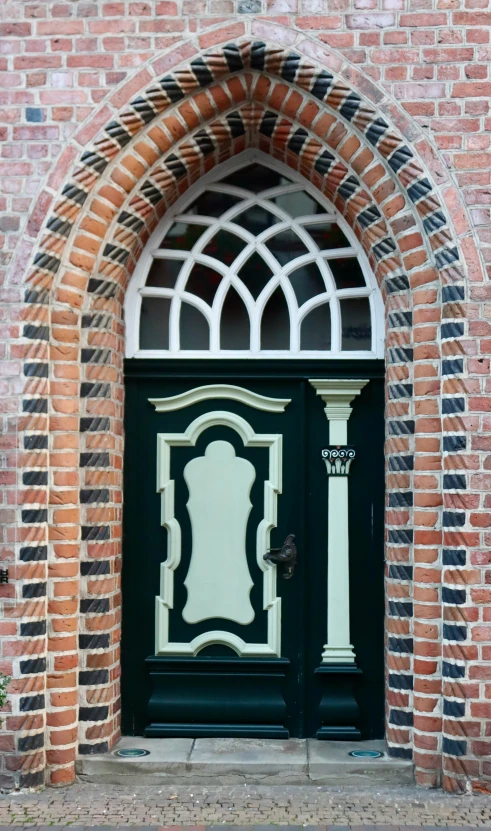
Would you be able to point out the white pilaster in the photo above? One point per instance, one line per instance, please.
(337, 395)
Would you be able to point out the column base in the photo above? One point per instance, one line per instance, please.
(338, 654)
(338, 709)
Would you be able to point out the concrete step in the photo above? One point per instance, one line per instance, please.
(236, 761)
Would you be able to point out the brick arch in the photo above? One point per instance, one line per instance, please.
(180, 125)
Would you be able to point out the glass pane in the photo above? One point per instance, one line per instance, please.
(275, 325)
(327, 235)
(355, 319)
(234, 325)
(193, 328)
(164, 273)
(347, 273)
(255, 177)
(154, 323)
(298, 204)
(316, 329)
(286, 246)
(182, 236)
(307, 282)
(225, 247)
(212, 204)
(255, 274)
(255, 220)
(203, 282)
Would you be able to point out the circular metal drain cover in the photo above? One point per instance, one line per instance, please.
(366, 754)
(132, 752)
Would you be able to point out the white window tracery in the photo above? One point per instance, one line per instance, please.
(252, 261)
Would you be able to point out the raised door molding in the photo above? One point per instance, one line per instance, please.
(214, 391)
(165, 486)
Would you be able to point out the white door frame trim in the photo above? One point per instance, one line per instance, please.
(337, 395)
(212, 391)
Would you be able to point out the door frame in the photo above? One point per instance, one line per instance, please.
(216, 370)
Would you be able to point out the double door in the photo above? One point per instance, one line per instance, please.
(223, 464)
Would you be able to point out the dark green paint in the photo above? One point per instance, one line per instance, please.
(302, 510)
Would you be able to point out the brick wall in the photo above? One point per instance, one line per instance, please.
(385, 108)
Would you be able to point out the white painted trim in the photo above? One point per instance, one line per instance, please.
(165, 486)
(137, 286)
(337, 395)
(228, 391)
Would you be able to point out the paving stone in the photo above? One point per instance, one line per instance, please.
(242, 808)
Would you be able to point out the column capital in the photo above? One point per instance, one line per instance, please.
(337, 395)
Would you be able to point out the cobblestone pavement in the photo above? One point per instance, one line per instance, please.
(244, 805)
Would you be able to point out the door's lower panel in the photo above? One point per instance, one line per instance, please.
(199, 697)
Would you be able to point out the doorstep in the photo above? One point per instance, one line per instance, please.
(244, 761)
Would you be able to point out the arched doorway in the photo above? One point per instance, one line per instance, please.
(251, 307)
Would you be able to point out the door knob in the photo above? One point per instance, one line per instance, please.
(286, 556)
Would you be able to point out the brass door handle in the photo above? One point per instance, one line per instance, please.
(286, 555)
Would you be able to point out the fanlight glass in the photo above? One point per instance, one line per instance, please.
(254, 265)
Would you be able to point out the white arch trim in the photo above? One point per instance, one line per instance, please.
(137, 289)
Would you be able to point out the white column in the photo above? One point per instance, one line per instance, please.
(337, 395)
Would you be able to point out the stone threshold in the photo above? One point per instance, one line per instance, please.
(245, 761)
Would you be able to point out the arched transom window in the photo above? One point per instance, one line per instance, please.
(253, 261)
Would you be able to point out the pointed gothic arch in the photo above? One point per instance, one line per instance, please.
(184, 121)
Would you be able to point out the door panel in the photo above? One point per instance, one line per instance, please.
(249, 656)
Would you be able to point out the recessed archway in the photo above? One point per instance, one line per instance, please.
(230, 98)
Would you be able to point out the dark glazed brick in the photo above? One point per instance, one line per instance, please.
(33, 629)
(452, 444)
(36, 441)
(93, 641)
(34, 552)
(400, 572)
(31, 702)
(401, 718)
(397, 608)
(95, 567)
(455, 709)
(32, 780)
(93, 749)
(35, 405)
(453, 519)
(453, 596)
(27, 743)
(93, 713)
(400, 499)
(96, 606)
(33, 666)
(403, 645)
(96, 532)
(400, 682)
(454, 747)
(454, 557)
(92, 678)
(36, 370)
(37, 478)
(454, 633)
(34, 590)
(290, 66)
(401, 536)
(454, 481)
(34, 515)
(452, 670)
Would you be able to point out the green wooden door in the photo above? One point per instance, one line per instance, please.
(222, 461)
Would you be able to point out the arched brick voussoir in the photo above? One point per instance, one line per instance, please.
(254, 126)
(271, 73)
